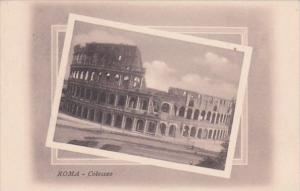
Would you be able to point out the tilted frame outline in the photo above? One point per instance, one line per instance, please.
(176, 36)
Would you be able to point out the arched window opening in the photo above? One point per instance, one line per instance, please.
(118, 120)
(163, 128)
(189, 113)
(82, 92)
(215, 134)
(196, 114)
(79, 110)
(99, 76)
(191, 103)
(165, 108)
(91, 114)
(111, 99)
(155, 106)
(86, 76)
(213, 118)
(108, 119)
(102, 97)
(140, 126)
(205, 134)
(172, 131)
(121, 101)
(88, 94)
(144, 104)
(175, 109)
(132, 102)
(210, 133)
(221, 119)
(151, 127)
(117, 77)
(82, 75)
(128, 123)
(99, 117)
(193, 132)
(107, 76)
(181, 111)
(218, 118)
(208, 116)
(136, 82)
(203, 115)
(85, 113)
(126, 81)
(92, 76)
(186, 130)
(215, 108)
(199, 133)
(218, 135)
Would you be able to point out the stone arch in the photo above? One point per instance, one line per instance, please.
(203, 115)
(108, 119)
(162, 128)
(196, 114)
(218, 135)
(215, 108)
(214, 134)
(91, 114)
(189, 113)
(102, 97)
(118, 120)
(165, 107)
(193, 132)
(205, 134)
(186, 131)
(210, 134)
(128, 123)
(99, 116)
(111, 99)
(208, 116)
(86, 78)
(132, 102)
(199, 133)
(151, 127)
(181, 111)
(93, 76)
(85, 112)
(213, 118)
(191, 103)
(82, 75)
(140, 125)
(218, 118)
(172, 130)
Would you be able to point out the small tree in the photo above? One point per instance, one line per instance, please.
(216, 162)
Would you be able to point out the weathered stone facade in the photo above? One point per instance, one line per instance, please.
(106, 85)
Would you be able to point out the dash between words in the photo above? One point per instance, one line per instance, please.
(79, 173)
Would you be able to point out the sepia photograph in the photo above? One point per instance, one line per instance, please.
(149, 96)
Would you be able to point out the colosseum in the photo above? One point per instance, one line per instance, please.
(107, 86)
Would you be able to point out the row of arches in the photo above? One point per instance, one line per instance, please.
(195, 114)
(106, 76)
(203, 133)
(142, 103)
(130, 123)
(112, 119)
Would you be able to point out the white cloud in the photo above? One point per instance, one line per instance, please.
(101, 37)
(219, 67)
(160, 76)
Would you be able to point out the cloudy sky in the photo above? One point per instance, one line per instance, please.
(173, 63)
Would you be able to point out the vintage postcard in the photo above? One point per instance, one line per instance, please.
(149, 96)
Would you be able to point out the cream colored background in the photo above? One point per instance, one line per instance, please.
(273, 96)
